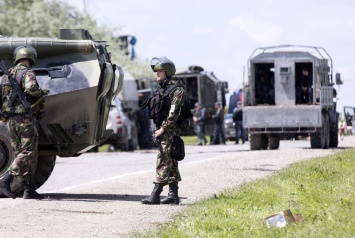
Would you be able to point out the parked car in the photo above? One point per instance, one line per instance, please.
(229, 127)
(121, 120)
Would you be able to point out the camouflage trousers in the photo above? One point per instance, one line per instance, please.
(24, 141)
(167, 170)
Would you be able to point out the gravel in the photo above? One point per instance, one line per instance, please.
(111, 207)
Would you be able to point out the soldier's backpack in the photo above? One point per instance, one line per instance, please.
(186, 113)
(156, 102)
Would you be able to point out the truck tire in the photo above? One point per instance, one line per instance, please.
(333, 136)
(258, 142)
(264, 141)
(320, 138)
(274, 142)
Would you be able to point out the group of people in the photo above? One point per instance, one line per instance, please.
(218, 136)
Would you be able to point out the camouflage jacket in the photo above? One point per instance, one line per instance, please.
(29, 86)
(177, 100)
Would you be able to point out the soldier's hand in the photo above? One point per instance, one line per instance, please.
(159, 132)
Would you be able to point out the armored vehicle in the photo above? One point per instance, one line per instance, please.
(82, 81)
(276, 103)
(204, 87)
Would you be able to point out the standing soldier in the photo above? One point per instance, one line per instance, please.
(21, 121)
(165, 111)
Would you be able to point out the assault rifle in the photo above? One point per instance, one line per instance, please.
(155, 140)
(17, 92)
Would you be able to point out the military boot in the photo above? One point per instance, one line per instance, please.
(30, 192)
(5, 185)
(154, 198)
(173, 197)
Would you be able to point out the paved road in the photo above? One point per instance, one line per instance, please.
(98, 194)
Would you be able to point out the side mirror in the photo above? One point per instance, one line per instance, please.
(337, 79)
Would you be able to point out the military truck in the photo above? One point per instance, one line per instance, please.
(203, 87)
(274, 113)
(82, 81)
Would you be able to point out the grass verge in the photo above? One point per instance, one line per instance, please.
(322, 189)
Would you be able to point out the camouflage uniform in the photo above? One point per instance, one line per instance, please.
(167, 171)
(23, 132)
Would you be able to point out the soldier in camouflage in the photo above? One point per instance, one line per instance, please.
(165, 113)
(22, 128)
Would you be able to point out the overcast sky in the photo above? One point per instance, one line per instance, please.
(221, 35)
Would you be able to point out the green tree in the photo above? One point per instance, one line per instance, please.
(44, 18)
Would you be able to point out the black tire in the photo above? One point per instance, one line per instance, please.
(264, 141)
(333, 135)
(274, 142)
(320, 138)
(255, 142)
(326, 131)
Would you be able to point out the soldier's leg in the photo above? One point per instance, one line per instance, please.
(25, 163)
(5, 181)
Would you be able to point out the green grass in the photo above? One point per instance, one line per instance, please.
(322, 189)
(189, 140)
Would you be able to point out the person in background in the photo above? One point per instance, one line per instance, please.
(304, 93)
(199, 120)
(238, 122)
(218, 133)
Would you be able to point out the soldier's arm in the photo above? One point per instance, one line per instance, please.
(30, 84)
(177, 100)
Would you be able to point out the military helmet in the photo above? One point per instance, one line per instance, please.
(25, 52)
(164, 64)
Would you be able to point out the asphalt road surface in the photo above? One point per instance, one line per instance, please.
(99, 194)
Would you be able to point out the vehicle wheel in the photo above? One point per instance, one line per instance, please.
(274, 142)
(264, 141)
(6, 154)
(333, 137)
(255, 141)
(320, 138)
(326, 131)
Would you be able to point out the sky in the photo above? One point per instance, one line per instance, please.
(221, 35)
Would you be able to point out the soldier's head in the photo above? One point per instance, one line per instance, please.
(217, 104)
(164, 67)
(25, 52)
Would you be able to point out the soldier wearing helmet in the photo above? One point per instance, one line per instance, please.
(165, 111)
(22, 127)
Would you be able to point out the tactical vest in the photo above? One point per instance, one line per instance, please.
(11, 105)
(159, 104)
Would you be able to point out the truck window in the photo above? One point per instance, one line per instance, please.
(264, 83)
(304, 83)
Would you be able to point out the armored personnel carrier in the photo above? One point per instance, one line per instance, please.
(277, 105)
(82, 81)
(203, 87)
